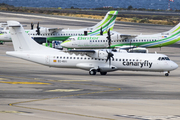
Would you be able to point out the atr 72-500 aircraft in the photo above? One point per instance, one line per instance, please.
(90, 60)
(61, 34)
(119, 40)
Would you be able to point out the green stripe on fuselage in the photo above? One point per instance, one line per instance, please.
(61, 38)
(153, 46)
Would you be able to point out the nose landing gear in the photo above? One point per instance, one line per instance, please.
(167, 73)
(93, 72)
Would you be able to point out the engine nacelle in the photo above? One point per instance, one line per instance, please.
(98, 54)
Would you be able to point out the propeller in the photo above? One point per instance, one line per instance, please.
(109, 38)
(38, 29)
(101, 32)
(109, 56)
(32, 26)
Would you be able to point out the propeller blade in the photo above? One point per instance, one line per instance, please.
(38, 29)
(32, 26)
(109, 56)
(109, 38)
(109, 61)
(101, 32)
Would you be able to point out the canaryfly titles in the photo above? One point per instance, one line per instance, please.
(146, 63)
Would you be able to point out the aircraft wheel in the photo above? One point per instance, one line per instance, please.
(92, 72)
(103, 73)
(166, 74)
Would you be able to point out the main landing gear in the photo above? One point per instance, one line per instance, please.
(93, 72)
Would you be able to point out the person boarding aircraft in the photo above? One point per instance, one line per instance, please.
(91, 60)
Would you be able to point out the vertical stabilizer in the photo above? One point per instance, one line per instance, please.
(21, 40)
(106, 24)
(175, 29)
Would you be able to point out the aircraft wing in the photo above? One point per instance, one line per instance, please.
(127, 36)
(55, 29)
(91, 53)
(80, 52)
(86, 51)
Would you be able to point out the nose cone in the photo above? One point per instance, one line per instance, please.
(173, 65)
(66, 44)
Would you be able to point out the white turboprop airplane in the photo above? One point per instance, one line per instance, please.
(60, 34)
(115, 40)
(90, 60)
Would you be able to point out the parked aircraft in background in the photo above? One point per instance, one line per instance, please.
(60, 34)
(115, 40)
(90, 60)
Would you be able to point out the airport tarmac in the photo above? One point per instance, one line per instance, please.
(32, 91)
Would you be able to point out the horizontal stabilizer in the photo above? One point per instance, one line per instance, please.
(14, 25)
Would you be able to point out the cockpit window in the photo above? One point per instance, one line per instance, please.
(163, 58)
(71, 39)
